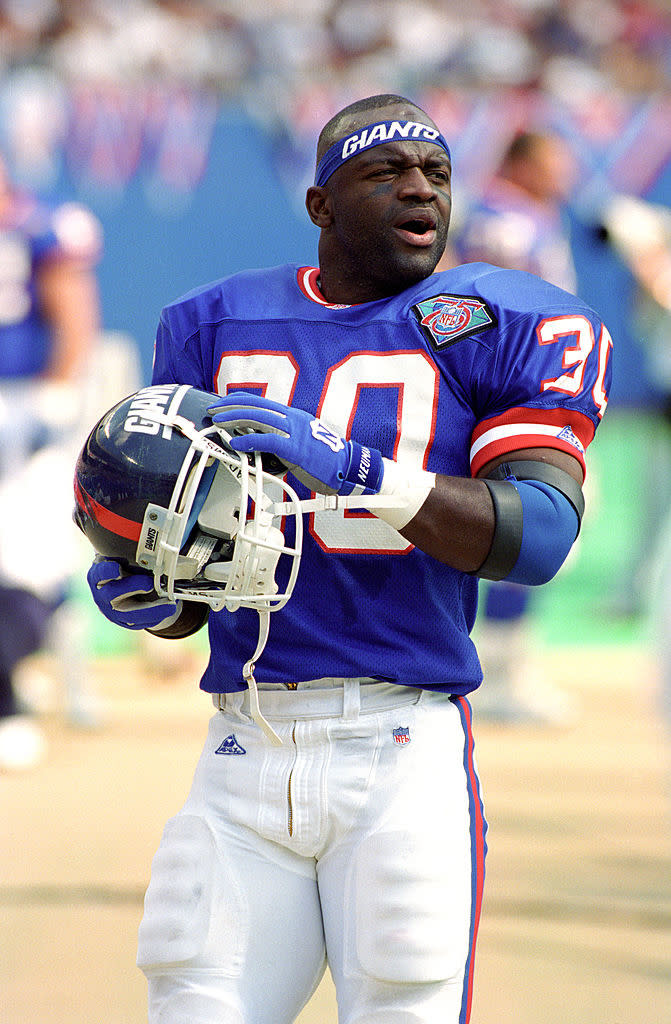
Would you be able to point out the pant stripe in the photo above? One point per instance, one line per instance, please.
(478, 852)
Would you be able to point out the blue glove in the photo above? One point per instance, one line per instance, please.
(319, 458)
(129, 600)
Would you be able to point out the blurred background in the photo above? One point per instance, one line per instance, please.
(187, 131)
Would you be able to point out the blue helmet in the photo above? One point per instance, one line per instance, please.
(159, 490)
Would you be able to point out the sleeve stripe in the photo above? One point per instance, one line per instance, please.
(513, 430)
(519, 441)
(557, 428)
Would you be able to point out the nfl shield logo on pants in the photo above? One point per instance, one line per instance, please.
(401, 735)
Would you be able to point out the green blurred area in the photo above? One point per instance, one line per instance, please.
(600, 596)
(595, 599)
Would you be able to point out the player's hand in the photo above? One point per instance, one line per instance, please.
(318, 457)
(129, 600)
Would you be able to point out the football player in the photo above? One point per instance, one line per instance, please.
(466, 400)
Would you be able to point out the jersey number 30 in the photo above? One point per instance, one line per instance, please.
(410, 375)
(414, 380)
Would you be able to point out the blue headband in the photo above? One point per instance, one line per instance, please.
(375, 135)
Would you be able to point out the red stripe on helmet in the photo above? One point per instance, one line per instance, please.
(117, 524)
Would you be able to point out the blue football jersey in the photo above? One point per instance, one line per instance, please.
(461, 368)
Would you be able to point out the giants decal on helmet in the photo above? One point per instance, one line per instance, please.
(159, 400)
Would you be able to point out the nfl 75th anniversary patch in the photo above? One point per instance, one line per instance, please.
(446, 319)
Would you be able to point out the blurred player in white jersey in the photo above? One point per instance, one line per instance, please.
(49, 322)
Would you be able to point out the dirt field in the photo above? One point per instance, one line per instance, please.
(576, 924)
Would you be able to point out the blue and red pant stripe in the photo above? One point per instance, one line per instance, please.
(478, 829)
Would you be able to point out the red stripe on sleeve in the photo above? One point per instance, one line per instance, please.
(565, 429)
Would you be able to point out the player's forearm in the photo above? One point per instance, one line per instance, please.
(455, 524)
(500, 529)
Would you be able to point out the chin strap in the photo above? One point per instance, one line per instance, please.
(248, 675)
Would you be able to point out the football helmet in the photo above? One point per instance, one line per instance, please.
(159, 490)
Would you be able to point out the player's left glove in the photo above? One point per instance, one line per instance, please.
(318, 457)
(129, 600)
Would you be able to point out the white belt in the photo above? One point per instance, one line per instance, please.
(320, 698)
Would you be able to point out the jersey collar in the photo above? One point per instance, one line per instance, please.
(308, 278)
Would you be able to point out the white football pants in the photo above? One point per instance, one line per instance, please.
(360, 841)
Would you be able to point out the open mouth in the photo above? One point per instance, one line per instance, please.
(417, 230)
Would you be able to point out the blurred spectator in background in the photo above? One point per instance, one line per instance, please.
(274, 46)
(519, 223)
(640, 232)
(49, 323)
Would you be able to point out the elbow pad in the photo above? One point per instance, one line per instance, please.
(537, 521)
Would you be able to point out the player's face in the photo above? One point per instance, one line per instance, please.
(390, 215)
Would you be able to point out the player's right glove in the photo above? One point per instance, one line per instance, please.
(318, 457)
(129, 600)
